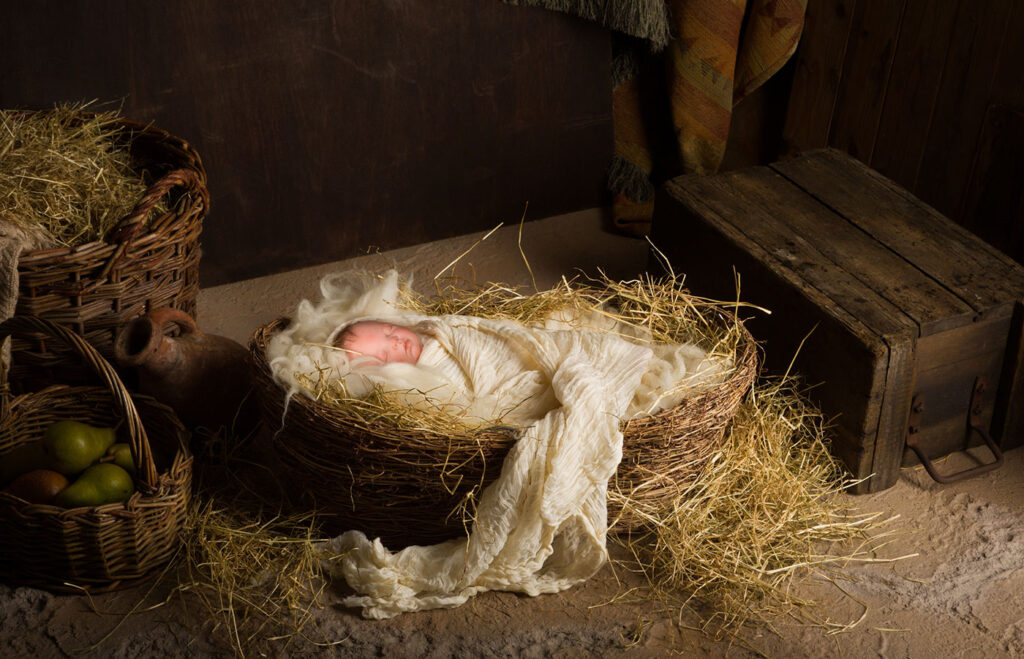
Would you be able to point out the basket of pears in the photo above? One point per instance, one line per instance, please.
(94, 483)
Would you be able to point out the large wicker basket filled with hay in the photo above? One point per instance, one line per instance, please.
(104, 215)
(392, 473)
(62, 546)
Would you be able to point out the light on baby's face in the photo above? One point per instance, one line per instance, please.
(383, 342)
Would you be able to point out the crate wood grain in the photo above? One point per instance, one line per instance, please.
(880, 299)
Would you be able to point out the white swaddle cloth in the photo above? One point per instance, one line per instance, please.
(541, 526)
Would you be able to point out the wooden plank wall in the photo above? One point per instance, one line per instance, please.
(928, 92)
(329, 127)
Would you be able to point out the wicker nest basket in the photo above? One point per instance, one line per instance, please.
(143, 263)
(413, 486)
(103, 547)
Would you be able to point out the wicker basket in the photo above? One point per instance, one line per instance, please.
(144, 263)
(389, 483)
(104, 547)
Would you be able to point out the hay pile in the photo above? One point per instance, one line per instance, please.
(256, 576)
(730, 552)
(766, 514)
(730, 547)
(413, 474)
(65, 173)
(661, 308)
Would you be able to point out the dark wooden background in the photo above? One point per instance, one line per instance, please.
(330, 127)
(928, 92)
(333, 127)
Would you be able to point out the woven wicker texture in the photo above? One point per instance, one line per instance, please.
(104, 547)
(145, 263)
(413, 487)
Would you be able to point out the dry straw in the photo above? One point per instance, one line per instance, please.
(724, 541)
(66, 172)
(729, 550)
(257, 577)
(413, 475)
(250, 564)
(766, 513)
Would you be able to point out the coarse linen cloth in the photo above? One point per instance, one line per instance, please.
(541, 526)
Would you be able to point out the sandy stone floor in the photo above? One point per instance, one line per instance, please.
(960, 594)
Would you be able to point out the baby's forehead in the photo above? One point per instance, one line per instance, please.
(369, 325)
(366, 329)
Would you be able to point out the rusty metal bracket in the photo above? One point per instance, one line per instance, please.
(974, 424)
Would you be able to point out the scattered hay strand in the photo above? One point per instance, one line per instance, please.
(66, 173)
(257, 576)
(765, 513)
(729, 533)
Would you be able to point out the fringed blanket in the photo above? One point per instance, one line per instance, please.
(680, 66)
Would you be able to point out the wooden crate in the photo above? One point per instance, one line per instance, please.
(901, 313)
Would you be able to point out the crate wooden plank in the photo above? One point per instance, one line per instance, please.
(917, 295)
(817, 74)
(892, 420)
(994, 206)
(946, 390)
(792, 251)
(977, 273)
(873, 35)
(981, 30)
(913, 87)
(777, 270)
(964, 344)
(948, 365)
(1008, 421)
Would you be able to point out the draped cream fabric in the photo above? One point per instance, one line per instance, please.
(541, 526)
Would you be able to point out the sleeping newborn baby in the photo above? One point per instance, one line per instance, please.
(674, 370)
(384, 343)
(483, 370)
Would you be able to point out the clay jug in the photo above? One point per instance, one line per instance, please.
(205, 378)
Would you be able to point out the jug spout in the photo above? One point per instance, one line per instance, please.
(205, 378)
(141, 342)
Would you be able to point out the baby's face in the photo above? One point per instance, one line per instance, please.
(383, 342)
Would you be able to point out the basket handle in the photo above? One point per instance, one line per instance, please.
(134, 222)
(142, 454)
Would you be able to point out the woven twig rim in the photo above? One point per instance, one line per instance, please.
(386, 481)
(96, 287)
(102, 547)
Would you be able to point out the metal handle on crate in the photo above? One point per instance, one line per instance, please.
(142, 454)
(974, 424)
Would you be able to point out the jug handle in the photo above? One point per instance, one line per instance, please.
(161, 317)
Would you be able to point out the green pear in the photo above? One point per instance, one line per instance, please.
(72, 446)
(80, 494)
(121, 455)
(99, 484)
